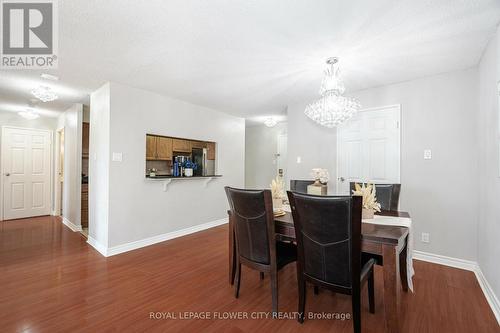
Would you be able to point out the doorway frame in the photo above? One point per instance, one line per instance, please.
(51, 165)
(377, 108)
(58, 193)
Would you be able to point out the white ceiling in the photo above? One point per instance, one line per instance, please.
(253, 58)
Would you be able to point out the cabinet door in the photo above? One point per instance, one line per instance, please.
(164, 148)
(210, 150)
(181, 145)
(85, 139)
(151, 147)
(198, 144)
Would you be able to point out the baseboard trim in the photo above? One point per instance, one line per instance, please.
(111, 251)
(468, 265)
(98, 246)
(446, 261)
(488, 293)
(71, 225)
(163, 237)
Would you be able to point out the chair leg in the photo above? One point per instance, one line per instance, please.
(262, 275)
(371, 291)
(302, 300)
(274, 291)
(237, 279)
(356, 311)
(316, 290)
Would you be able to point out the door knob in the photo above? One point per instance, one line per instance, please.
(341, 179)
(7, 174)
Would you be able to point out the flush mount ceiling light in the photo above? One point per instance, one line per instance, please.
(29, 114)
(45, 94)
(332, 108)
(270, 122)
(49, 77)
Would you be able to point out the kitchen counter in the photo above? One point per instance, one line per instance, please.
(167, 179)
(173, 177)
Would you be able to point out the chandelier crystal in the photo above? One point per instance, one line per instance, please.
(45, 94)
(332, 108)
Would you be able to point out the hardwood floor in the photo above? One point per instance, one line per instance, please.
(52, 281)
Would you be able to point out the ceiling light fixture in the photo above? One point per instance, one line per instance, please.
(332, 108)
(45, 94)
(270, 122)
(29, 114)
(49, 77)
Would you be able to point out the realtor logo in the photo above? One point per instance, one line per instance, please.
(29, 34)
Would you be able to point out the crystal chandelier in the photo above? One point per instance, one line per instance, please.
(332, 108)
(45, 94)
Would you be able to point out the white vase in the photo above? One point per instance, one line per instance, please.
(367, 214)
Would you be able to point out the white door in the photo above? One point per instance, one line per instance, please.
(26, 172)
(369, 148)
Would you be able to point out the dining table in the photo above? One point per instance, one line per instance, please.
(387, 243)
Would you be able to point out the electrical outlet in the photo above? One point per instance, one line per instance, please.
(425, 237)
(117, 157)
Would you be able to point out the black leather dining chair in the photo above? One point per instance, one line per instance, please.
(300, 186)
(252, 216)
(328, 233)
(387, 195)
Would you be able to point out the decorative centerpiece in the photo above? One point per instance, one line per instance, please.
(370, 204)
(321, 178)
(278, 192)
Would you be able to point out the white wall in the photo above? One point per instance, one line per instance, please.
(71, 121)
(489, 180)
(99, 159)
(315, 145)
(138, 207)
(261, 145)
(438, 113)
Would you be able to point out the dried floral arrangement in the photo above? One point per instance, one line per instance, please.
(368, 193)
(278, 188)
(320, 175)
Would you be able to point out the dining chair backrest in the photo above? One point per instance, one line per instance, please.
(300, 186)
(328, 233)
(387, 195)
(252, 214)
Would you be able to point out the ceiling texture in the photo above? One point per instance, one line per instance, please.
(253, 58)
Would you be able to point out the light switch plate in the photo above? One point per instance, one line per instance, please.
(427, 154)
(117, 157)
(299, 159)
(425, 237)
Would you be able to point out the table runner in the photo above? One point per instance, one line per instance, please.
(394, 221)
(399, 222)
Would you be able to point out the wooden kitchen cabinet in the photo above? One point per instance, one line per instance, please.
(85, 206)
(150, 147)
(210, 150)
(85, 139)
(180, 145)
(198, 144)
(158, 148)
(163, 148)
